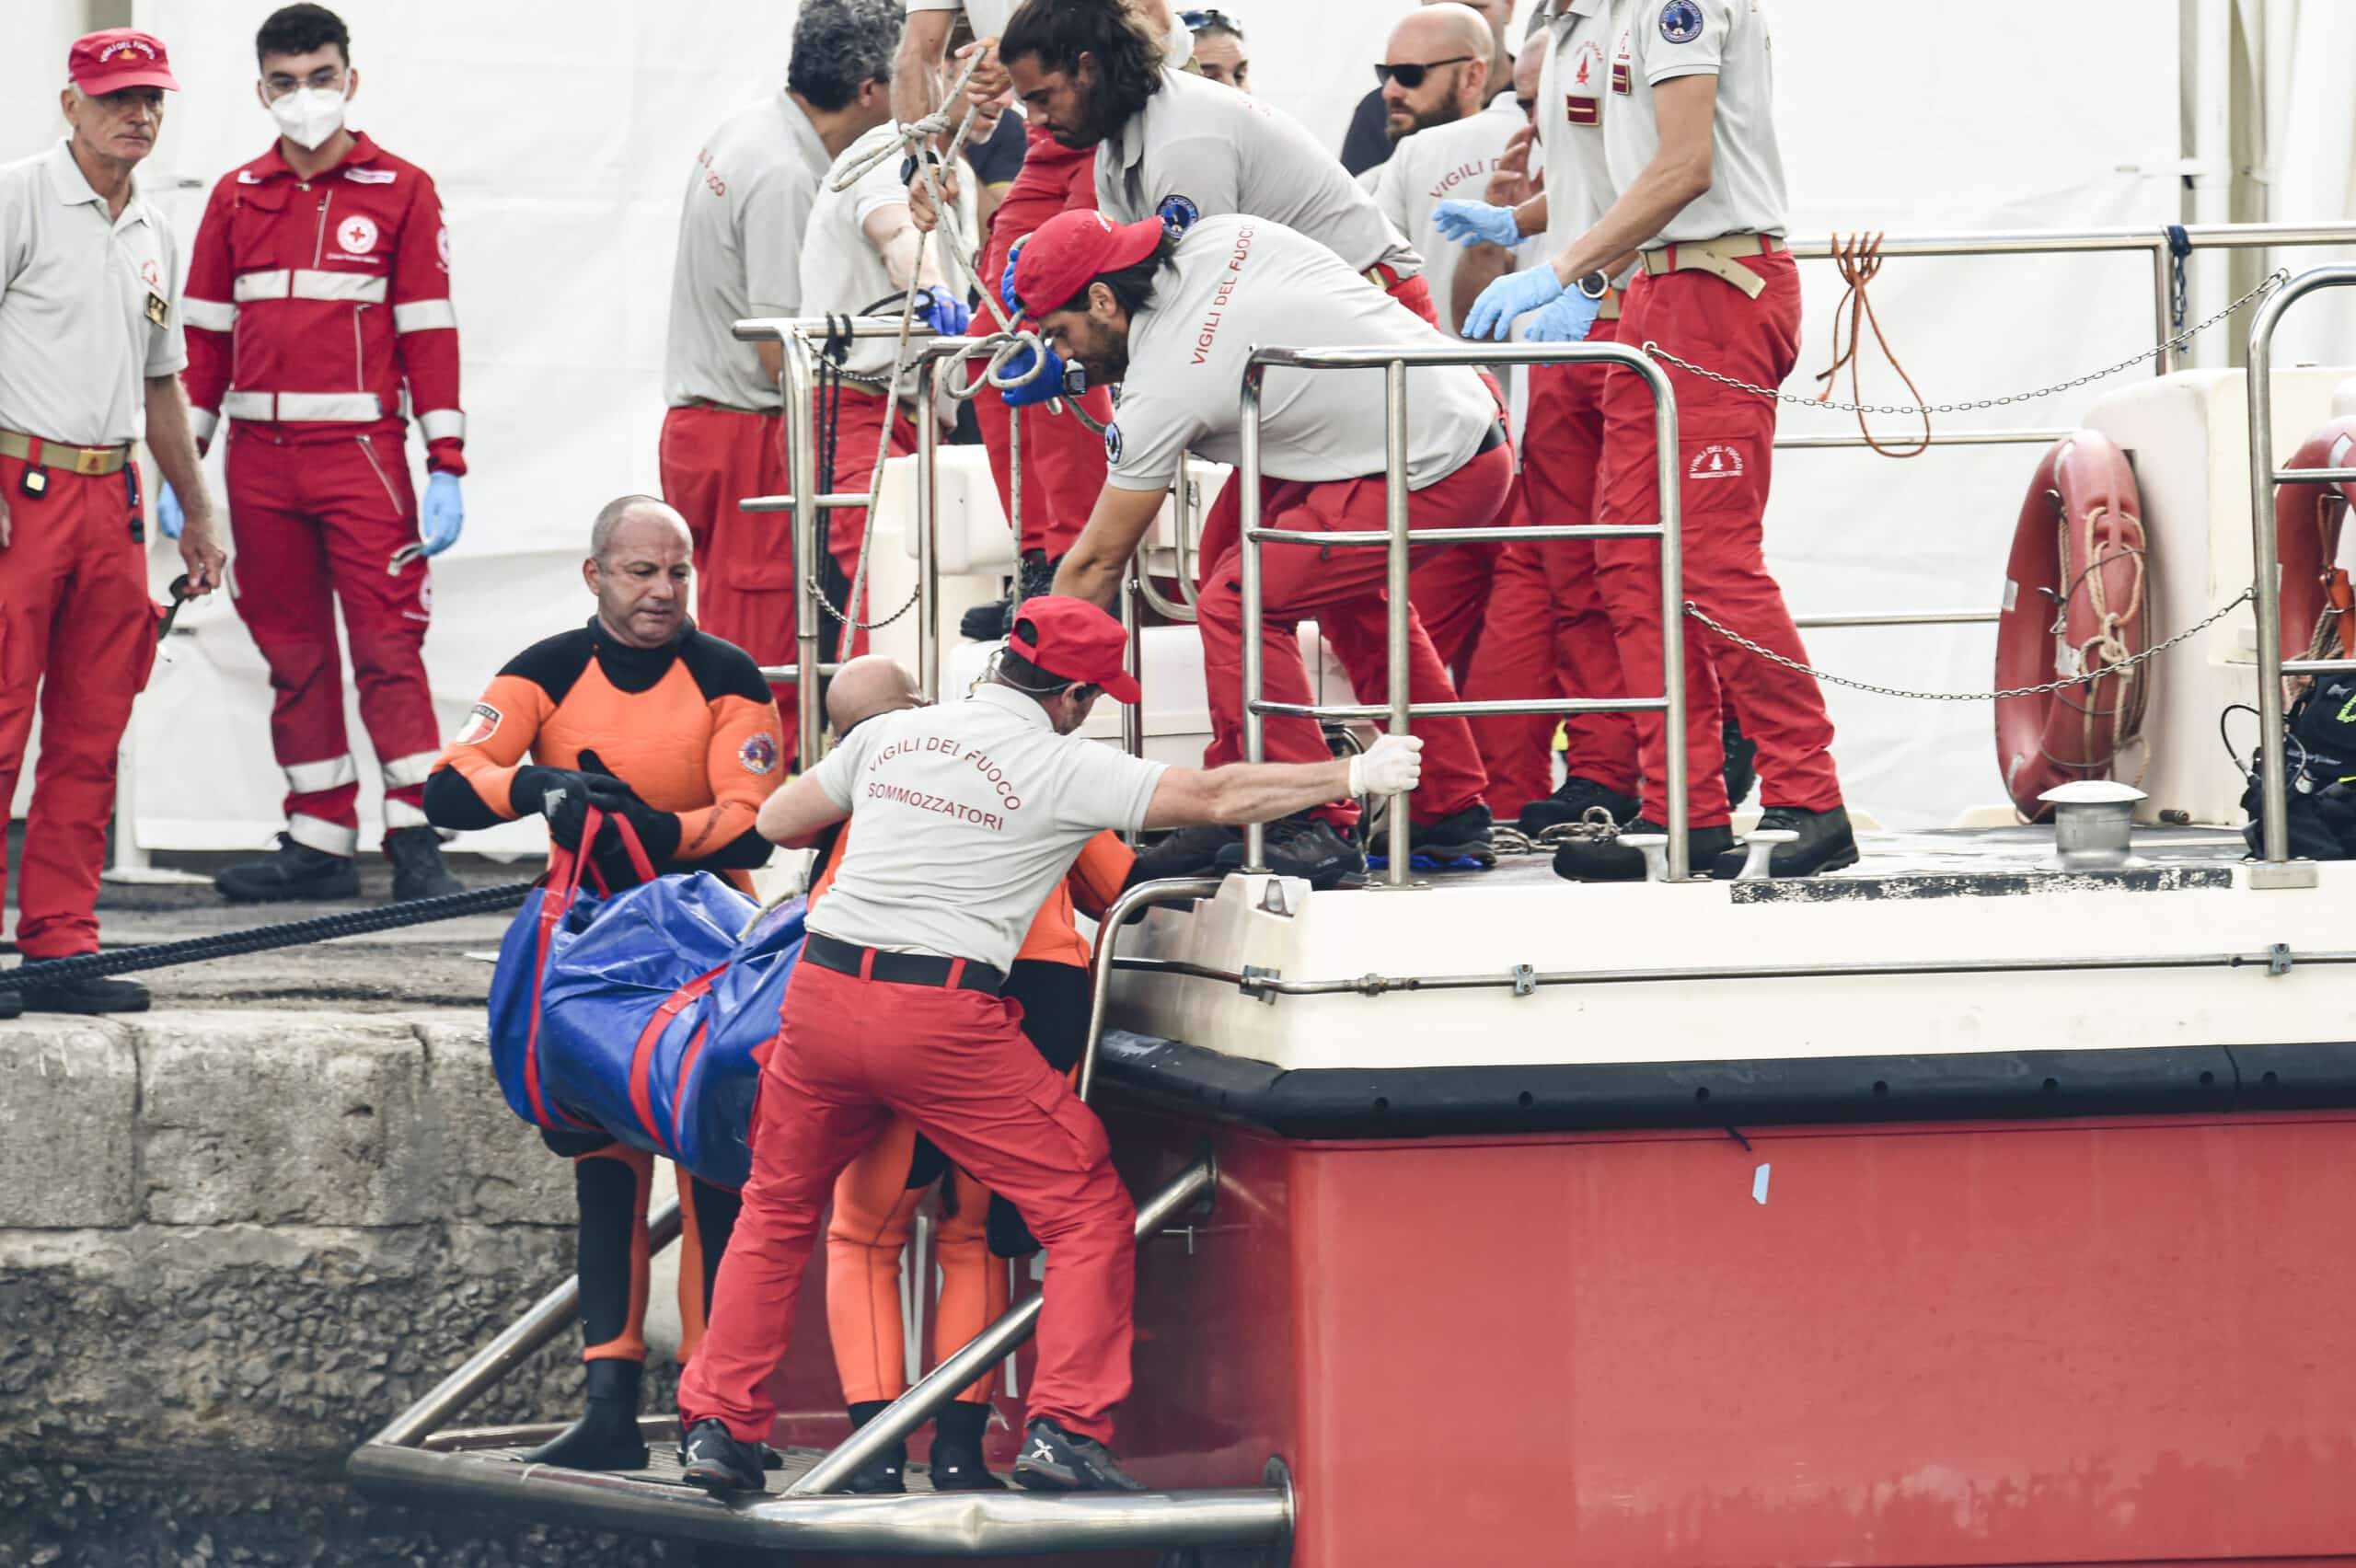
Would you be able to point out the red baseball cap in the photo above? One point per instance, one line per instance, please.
(108, 62)
(1073, 639)
(1073, 247)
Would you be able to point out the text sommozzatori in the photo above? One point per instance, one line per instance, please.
(1008, 798)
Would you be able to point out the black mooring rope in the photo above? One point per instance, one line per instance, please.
(261, 938)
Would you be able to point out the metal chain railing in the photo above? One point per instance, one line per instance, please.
(2268, 284)
(2107, 670)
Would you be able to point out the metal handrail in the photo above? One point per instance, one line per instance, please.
(978, 1354)
(1394, 363)
(2278, 869)
(1169, 890)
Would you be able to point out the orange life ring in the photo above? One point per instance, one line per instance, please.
(2074, 608)
(2307, 519)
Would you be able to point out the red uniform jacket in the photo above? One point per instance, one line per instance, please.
(310, 301)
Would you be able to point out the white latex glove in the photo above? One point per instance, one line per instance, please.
(1393, 765)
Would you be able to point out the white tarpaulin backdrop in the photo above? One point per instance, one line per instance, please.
(561, 134)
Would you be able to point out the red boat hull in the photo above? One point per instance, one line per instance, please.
(2109, 1341)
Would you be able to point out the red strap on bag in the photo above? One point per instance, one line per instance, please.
(562, 886)
(642, 1065)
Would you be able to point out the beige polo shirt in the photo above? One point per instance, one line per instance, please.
(741, 228)
(842, 273)
(988, 20)
(1656, 40)
(90, 305)
(1240, 282)
(1223, 152)
(1444, 163)
(966, 815)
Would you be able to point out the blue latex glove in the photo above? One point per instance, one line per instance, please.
(1047, 385)
(1493, 314)
(170, 518)
(1006, 282)
(1565, 321)
(1477, 223)
(445, 513)
(942, 311)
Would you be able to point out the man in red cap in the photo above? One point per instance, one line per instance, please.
(318, 314)
(1174, 320)
(971, 811)
(90, 345)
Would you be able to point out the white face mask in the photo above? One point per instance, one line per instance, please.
(309, 115)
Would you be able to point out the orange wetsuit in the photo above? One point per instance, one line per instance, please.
(691, 727)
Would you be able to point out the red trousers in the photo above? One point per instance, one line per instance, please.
(1725, 453)
(859, 421)
(713, 458)
(1342, 591)
(77, 626)
(317, 523)
(955, 1065)
(1063, 461)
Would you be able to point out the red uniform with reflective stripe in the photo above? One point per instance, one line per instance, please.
(310, 305)
(310, 301)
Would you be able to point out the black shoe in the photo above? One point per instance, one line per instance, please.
(11, 1005)
(607, 1436)
(1033, 576)
(1825, 844)
(1036, 577)
(1303, 845)
(1189, 852)
(1460, 835)
(886, 1475)
(957, 1464)
(1571, 803)
(1055, 1460)
(1741, 769)
(717, 1463)
(418, 871)
(96, 994)
(296, 870)
(986, 623)
(1608, 859)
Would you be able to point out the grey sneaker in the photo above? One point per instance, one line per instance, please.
(1057, 1460)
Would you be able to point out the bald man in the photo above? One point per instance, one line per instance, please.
(1369, 144)
(674, 730)
(877, 1195)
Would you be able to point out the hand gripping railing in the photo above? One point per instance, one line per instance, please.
(2277, 868)
(799, 342)
(1394, 364)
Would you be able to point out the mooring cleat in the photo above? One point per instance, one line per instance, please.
(1820, 841)
(1626, 858)
(1757, 845)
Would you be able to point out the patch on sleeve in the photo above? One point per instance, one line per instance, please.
(1113, 443)
(1178, 214)
(481, 725)
(758, 754)
(1680, 22)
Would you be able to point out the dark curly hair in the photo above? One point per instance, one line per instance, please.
(1062, 33)
(298, 29)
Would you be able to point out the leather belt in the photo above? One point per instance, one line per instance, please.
(902, 968)
(1717, 257)
(1496, 438)
(41, 454)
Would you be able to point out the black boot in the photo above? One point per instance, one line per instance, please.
(1825, 844)
(1057, 1460)
(1034, 575)
(1741, 769)
(1458, 837)
(957, 1464)
(1608, 859)
(1189, 852)
(607, 1436)
(99, 994)
(1303, 845)
(887, 1474)
(418, 871)
(296, 870)
(1571, 803)
(717, 1462)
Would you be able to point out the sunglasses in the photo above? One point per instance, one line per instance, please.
(1196, 21)
(1412, 76)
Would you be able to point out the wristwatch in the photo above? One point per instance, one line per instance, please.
(908, 165)
(1595, 285)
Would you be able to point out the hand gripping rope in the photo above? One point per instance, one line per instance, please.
(1003, 346)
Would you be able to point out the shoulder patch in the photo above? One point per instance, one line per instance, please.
(482, 722)
(758, 754)
(247, 177)
(554, 663)
(1113, 443)
(723, 669)
(1178, 214)
(1680, 22)
(372, 176)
